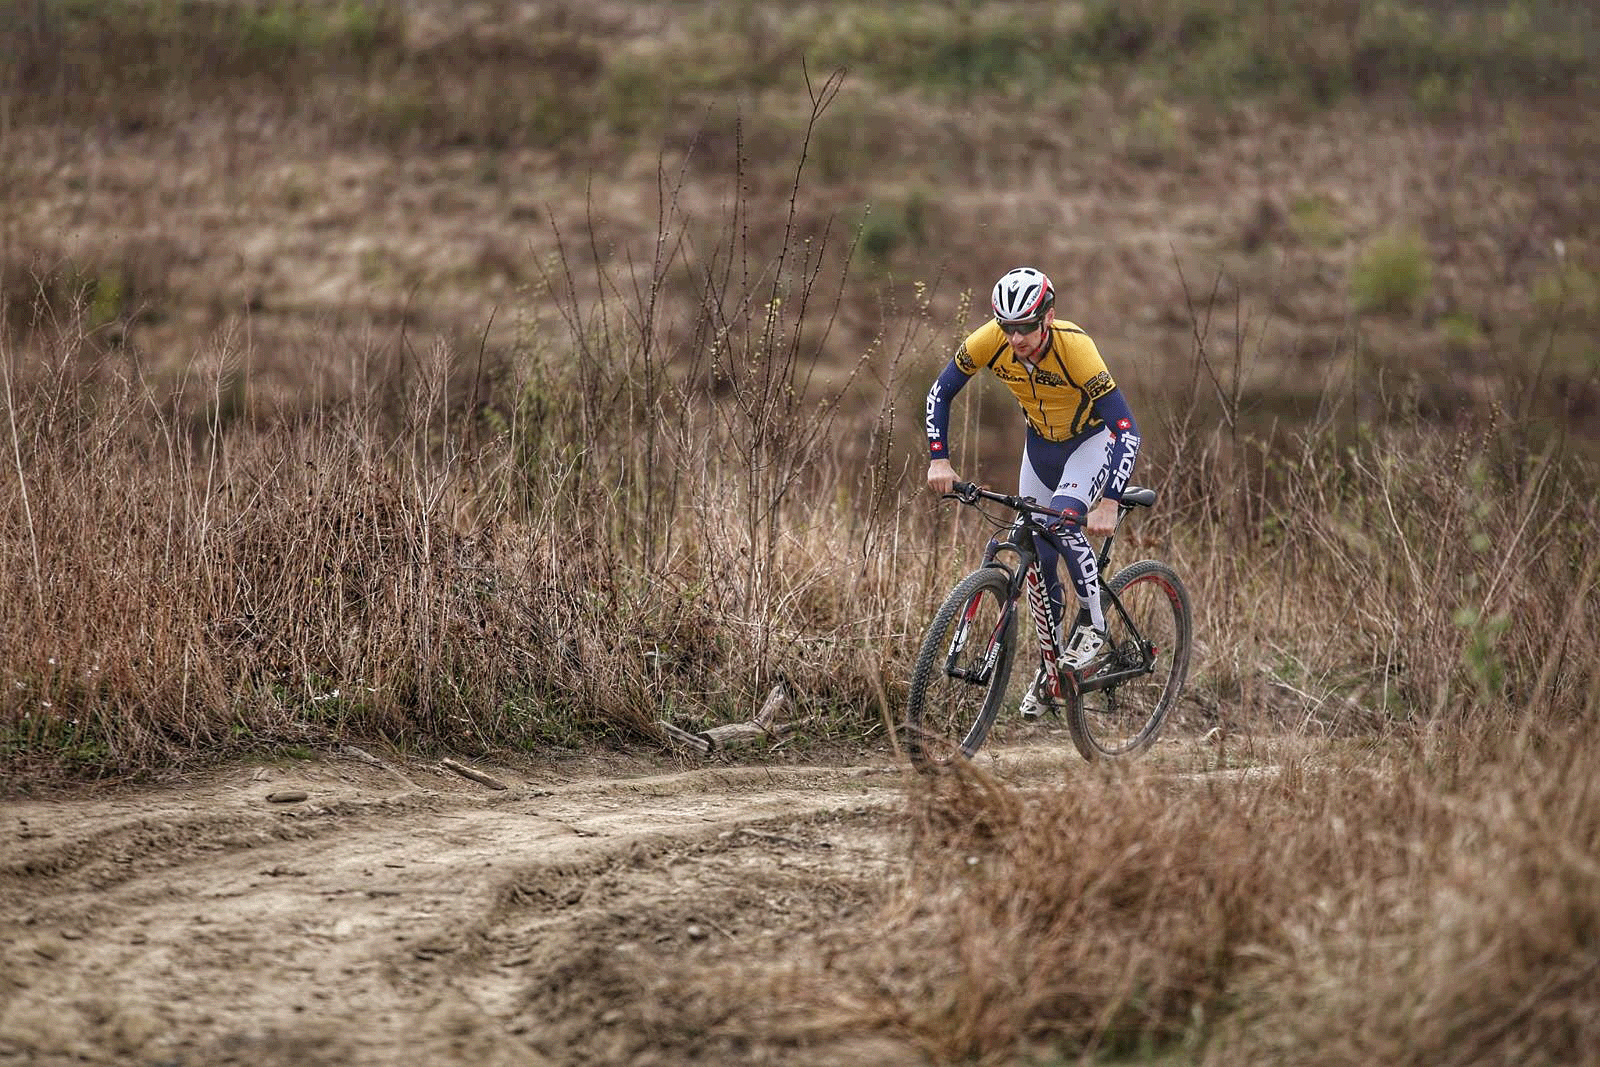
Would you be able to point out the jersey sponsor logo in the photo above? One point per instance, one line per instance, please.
(965, 361)
(1038, 377)
(929, 426)
(1098, 486)
(1129, 454)
(1099, 385)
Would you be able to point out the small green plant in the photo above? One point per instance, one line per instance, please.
(109, 299)
(886, 230)
(1569, 289)
(941, 48)
(72, 740)
(1462, 332)
(1155, 136)
(1393, 275)
(1480, 654)
(1315, 220)
(1438, 97)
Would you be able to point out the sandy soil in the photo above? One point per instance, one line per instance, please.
(400, 913)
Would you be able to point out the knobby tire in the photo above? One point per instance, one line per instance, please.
(948, 717)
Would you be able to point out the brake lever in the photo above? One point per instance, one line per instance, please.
(967, 496)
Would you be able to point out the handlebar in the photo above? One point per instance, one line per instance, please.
(970, 493)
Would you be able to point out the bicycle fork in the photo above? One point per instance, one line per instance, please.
(978, 675)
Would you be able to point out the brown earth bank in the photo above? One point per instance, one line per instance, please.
(354, 910)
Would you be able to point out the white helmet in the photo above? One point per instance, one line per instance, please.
(1023, 294)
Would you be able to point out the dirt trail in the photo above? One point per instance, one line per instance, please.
(403, 914)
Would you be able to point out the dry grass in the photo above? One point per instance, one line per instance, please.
(1419, 903)
(179, 588)
(451, 548)
(501, 554)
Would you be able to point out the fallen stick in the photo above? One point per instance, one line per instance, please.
(764, 726)
(368, 758)
(686, 738)
(735, 734)
(473, 773)
(767, 717)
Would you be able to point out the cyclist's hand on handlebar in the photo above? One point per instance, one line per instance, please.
(1102, 518)
(941, 476)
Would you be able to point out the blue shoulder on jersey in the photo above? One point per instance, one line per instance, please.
(937, 421)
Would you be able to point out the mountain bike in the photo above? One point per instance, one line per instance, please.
(1114, 705)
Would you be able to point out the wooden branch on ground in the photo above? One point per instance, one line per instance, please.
(765, 726)
(473, 773)
(368, 758)
(686, 738)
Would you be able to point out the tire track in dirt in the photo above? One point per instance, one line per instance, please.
(367, 926)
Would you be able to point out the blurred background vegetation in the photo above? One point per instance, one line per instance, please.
(1396, 186)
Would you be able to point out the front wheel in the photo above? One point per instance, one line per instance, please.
(1147, 659)
(959, 681)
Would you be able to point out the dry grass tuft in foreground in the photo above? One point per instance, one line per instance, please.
(1427, 902)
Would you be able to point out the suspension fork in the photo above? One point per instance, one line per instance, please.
(979, 674)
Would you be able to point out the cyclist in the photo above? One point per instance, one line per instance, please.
(1080, 444)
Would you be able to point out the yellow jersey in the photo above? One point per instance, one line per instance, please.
(1057, 395)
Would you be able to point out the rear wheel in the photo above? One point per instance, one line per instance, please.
(959, 681)
(1150, 645)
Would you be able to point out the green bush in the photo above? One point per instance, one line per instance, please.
(1318, 51)
(951, 49)
(1393, 275)
(1155, 136)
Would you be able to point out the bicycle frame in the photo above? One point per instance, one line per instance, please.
(1028, 573)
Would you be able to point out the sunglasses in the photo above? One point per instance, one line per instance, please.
(1024, 327)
